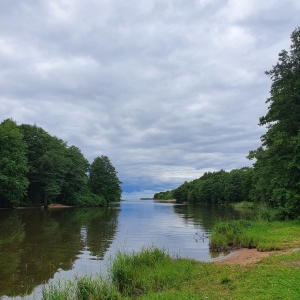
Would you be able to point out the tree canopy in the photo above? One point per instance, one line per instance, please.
(277, 165)
(104, 180)
(37, 169)
(13, 164)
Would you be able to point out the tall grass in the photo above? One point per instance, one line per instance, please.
(62, 290)
(147, 271)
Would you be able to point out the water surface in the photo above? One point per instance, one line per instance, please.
(38, 247)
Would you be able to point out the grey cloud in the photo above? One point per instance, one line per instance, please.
(167, 89)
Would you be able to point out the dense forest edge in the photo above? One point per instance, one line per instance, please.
(274, 179)
(37, 169)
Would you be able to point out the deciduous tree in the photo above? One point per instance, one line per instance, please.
(277, 165)
(103, 179)
(13, 164)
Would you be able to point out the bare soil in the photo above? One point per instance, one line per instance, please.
(54, 205)
(244, 256)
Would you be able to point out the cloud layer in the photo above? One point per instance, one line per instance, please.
(167, 89)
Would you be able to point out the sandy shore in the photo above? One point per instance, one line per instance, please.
(244, 256)
(53, 205)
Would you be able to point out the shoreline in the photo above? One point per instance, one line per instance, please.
(245, 256)
(50, 206)
(54, 205)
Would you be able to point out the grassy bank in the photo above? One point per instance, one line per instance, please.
(154, 274)
(263, 235)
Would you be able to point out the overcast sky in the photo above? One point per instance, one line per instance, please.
(167, 89)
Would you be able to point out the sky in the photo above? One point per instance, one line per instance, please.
(167, 89)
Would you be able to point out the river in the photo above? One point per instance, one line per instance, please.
(39, 247)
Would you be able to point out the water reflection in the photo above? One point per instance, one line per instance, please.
(207, 215)
(35, 244)
(38, 245)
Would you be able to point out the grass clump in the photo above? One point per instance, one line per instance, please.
(60, 291)
(150, 270)
(100, 289)
(84, 288)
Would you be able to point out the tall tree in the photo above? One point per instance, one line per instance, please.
(47, 165)
(277, 165)
(13, 164)
(75, 178)
(103, 179)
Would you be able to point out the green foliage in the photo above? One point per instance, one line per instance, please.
(103, 179)
(13, 165)
(243, 204)
(74, 189)
(277, 166)
(168, 195)
(47, 163)
(87, 198)
(215, 188)
(37, 169)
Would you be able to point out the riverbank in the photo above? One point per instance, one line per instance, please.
(153, 274)
(55, 205)
(243, 274)
(262, 235)
(247, 256)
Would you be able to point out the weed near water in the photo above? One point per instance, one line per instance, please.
(60, 291)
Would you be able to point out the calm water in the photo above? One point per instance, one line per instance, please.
(38, 247)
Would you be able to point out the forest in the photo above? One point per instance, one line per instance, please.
(274, 178)
(37, 169)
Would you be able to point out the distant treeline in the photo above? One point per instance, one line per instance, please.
(214, 188)
(274, 179)
(37, 169)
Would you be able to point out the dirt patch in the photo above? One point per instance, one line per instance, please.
(54, 205)
(243, 257)
(294, 264)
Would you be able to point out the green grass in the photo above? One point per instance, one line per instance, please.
(60, 291)
(153, 274)
(263, 235)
